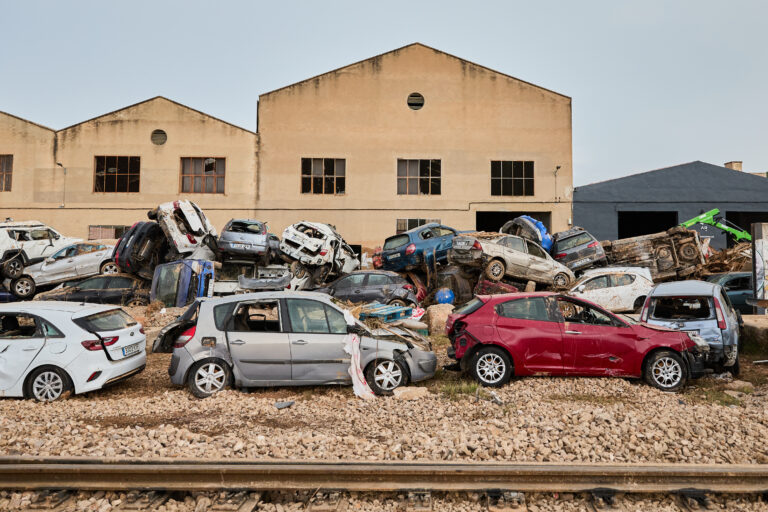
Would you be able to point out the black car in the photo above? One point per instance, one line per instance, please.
(119, 289)
(141, 249)
(577, 249)
(372, 286)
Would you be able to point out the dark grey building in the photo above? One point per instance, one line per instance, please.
(654, 201)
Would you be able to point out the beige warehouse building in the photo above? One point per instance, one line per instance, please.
(374, 147)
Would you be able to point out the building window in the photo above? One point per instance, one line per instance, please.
(511, 178)
(106, 232)
(158, 137)
(116, 174)
(6, 172)
(406, 224)
(323, 175)
(415, 177)
(203, 175)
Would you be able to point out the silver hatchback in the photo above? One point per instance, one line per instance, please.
(283, 339)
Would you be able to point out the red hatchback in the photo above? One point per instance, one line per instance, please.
(497, 336)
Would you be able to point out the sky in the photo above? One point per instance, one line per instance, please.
(653, 83)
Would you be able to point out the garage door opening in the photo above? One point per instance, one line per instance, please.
(744, 220)
(492, 221)
(645, 223)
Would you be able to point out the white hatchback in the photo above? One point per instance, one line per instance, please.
(49, 348)
(615, 288)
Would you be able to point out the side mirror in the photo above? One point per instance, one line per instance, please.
(355, 329)
(50, 260)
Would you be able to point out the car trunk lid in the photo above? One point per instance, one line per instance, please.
(120, 336)
(694, 314)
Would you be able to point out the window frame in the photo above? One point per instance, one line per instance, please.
(228, 321)
(434, 172)
(547, 308)
(504, 173)
(39, 333)
(325, 308)
(127, 174)
(323, 176)
(192, 176)
(6, 173)
(409, 221)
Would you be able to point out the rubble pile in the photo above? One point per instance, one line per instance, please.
(733, 259)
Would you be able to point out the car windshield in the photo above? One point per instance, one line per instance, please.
(681, 308)
(247, 227)
(574, 241)
(394, 242)
(167, 284)
(469, 307)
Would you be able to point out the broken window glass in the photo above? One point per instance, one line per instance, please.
(416, 177)
(203, 175)
(116, 173)
(323, 175)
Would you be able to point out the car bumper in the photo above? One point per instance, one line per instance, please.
(421, 365)
(242, 249)
(400, 263)
(181, 361)
(469, 258)
(111, 372)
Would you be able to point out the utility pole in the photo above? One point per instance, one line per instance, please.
(64, 190)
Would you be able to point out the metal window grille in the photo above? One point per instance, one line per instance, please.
(406, 224)
(106, 232)
(203, 175)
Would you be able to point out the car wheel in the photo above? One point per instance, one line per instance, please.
(23, 287)
(13, 268)
(492, 367)
(495, 270)
(207, 377)
(397, 302)
(110, 267)
(47, 384)
(136, 302)
(666, 371)
(561, 280)
(638, 305)
(734, 369)
(384, 376)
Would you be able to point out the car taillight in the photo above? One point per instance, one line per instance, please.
(408, 286)
(410, 249)
(184, 338)
(141, 330)
(191, 239)
(646, 308)
(91, 345)
(323, 252)
(720, 317)
(175, 205)
(477, 245)
(561, 255)
(593, 244)
(110, 341)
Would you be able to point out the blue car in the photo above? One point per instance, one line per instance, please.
(179, 283)
(408, 250)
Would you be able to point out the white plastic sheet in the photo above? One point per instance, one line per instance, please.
(359, 385)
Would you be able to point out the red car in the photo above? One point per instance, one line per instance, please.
(497, 336)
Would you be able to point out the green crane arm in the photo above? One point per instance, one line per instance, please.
(709, 218)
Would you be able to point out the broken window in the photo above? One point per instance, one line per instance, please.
(106, 232)
(511, 178)
(310, 316)
(681, 308)
(323, 175)
(116, 173)
(6, 172)
(203, 175)
(525, 309)
(262, 316)
(17, 325)
(408, 224)
(419, 177)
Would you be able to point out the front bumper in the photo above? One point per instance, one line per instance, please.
(421, 364)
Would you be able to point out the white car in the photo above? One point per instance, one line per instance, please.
(74, 261)
(615, 288)
(320, 247)
(50, 348)
(26, 243)
(187, 229)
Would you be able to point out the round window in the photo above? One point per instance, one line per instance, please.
(159, 137)
(415, 101)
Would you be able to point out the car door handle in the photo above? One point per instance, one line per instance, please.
(300, 342)
(572, 332)
(237, 342)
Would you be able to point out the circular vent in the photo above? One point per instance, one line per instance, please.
(159, 137)
(415, 101)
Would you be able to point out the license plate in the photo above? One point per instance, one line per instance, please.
(581, 262)
(131, 349)
(393, 257)
(462, 243)
(692, 332)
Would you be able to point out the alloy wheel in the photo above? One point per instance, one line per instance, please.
(110, 268)
(496, 269)
(48, 386)
(22, 287)
(667, 372)
(490, 368)
(388, 375)
(561, 280)
(210, 378)
(14, 267)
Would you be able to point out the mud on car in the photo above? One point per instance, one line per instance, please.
(315, 248)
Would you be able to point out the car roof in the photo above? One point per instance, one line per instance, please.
(55, 305)
(22, 224)
(375, 271)
(518, 295)
(274, 294)
(676, 288)
(643, 271)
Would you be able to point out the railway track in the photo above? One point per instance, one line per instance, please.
(33, 473)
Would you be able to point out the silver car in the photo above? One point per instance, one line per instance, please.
(699, 308)
(246, 237)
(283, 339)
(72, 262)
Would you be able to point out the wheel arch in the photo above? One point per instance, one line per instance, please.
(214, 358)
(394, 356)
(479, 346)
(656, 350)
(26, 392)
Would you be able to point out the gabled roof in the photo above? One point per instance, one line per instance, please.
(27, 121)
(403, 48)
(155, 99)
(694, 181)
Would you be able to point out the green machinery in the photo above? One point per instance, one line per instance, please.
(710, 218)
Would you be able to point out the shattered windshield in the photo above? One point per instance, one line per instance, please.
(247, 227)
(167, 284)
(681, 308)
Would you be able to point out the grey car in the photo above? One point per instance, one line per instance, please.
(248, 237)
(577, 249)
(282, 339)
(700, 308)
(372, 286)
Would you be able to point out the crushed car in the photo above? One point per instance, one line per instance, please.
(577, 249)
(318, 250)
(25, 243)
(141, 248)
(500, 255)
(79, 260)
(617, 289)
(248, 238)
(187, 229)
(413, 249)
(119, 289)
(372, 286)
(526, 226)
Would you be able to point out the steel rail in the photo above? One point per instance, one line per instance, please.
(34, 473)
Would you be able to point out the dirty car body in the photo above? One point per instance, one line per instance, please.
(371, 286)
(553, 334)
(616, 289)
(187, 229)
(120, 289)
(141, 249)
(279, 339)
(314, 244)
(248, 237)
(411, 249)
(577, 249)
(26, 243)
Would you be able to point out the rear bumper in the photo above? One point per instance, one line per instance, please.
(111, 372)
(469, 258)
(402, 262)
(241, 249)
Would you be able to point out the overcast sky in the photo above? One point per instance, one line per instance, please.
(654, 83)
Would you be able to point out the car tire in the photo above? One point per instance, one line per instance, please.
(109, 267)
(385, 375)
(47, 384)
(495, 270)
(666, 370)
(638, 305)
(137, 302)
(152, 214)
(208, 377)
(398, 302)
(23, 287)
(13, 268)
(561, 280)
(491, 367)
(734, 369)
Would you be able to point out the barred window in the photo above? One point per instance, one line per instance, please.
(406, 224)
(510, 178)
(415, 177)
(6, 172)
(323, 175)
(203, 175)
(116, 173)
